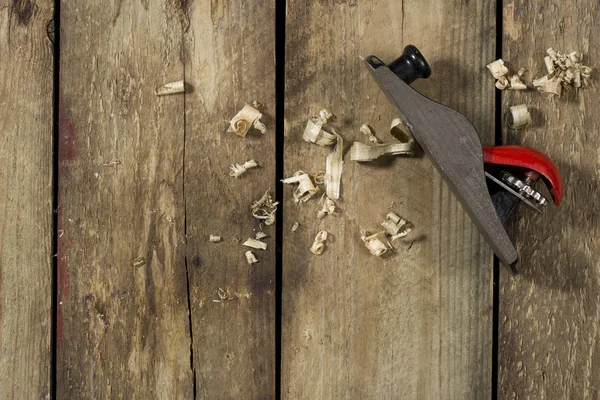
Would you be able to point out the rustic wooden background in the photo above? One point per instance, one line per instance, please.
(108, 285)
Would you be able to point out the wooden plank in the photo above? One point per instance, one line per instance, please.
(25, 199)
(123, 328)
(549, 346)
(230, 61)
(418, 324)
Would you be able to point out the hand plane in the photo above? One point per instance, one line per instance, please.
(454, 147)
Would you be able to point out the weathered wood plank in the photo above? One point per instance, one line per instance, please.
(25, 198)
(230, 61)
(549, 315)
(418, 324)
(123, 328)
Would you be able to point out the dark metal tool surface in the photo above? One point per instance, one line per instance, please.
(450, 141)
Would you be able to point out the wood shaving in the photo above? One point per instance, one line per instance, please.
(519, 116)
(396, 226)
(246, 118)
(366, 129)
(521, 72)
(502, 83)
(318, 245)
(170, 88)
(255, 244)
(260, 235)
(516, 83)
(265, 208)
(364, 152)
(315, 133)
(250, 257)
(306, 188)
(497, 68)
(237, 170)
(295, 226)
(327, 209)
(333, 169)
(214, 238)
(319, 178)
(139, 262)
(400, 130)
(378, 243)
(223, 294)
(564, 70)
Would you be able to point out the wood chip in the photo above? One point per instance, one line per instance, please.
(250, 257)
(516, 83)
(295, 226)
(170, 88)
(214, 238)
(318, 245)
(260, 235)
(255, 244)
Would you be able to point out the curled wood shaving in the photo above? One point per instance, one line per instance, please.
(333, 169)
(400, 130)
(502, 83)
(366, 129)
(497, 68)
(319, 178)
(265, 208)
(255, 244)
(295, 226)
(516, 83)
(519, 116)
(378, 243)
(306, 188)
(327, 209)
(246, 118)
(214, 238)
(250, 257)
(314, 133)
(260, 235)
(170, 88)
(223, 294)
(318, 245)
(396, 226)
(238, 170)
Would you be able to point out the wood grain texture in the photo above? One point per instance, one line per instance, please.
(549, 315)
(123, 328)
(25, 199)
(417, 324)
(230, 61)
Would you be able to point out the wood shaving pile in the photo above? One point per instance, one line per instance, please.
(564, 70)
(265, 208)
(395, 227)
